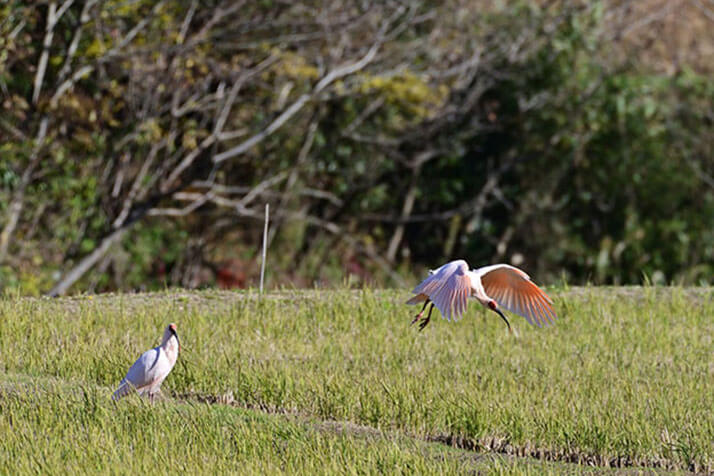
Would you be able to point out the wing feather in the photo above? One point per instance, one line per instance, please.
(140, 374)
(451, 302)
(537, 305)
(503, 294)
(518, 303)
(532, 308)
(441, 298)
(448, 287)
(542, 307)
(525, 310)
(513, 290)
(547, 310)
(464, 300)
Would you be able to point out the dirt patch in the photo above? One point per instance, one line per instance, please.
(503, 446)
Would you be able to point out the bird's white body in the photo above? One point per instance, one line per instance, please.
(150, 370)
(450, 286)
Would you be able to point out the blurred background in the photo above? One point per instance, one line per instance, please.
(140, 141)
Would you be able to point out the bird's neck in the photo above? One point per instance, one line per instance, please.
(477, 290)
(171, 348)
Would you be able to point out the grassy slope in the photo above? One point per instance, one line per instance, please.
(58, 427)
(624, 376)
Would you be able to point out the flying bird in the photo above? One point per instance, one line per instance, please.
(150, 370)
(495, 287)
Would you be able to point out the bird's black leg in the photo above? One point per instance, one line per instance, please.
(423, 323)
(421, 313)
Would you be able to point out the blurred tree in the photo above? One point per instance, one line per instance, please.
(141, 139)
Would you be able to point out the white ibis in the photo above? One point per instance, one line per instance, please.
(500, 285)
(150, 370)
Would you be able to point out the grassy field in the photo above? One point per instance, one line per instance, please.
(323, 382)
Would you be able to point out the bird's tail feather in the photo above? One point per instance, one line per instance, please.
(125, 388)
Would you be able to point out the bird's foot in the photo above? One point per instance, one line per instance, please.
(416, 318)
(424, 323)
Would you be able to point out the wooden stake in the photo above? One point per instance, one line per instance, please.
(265, 245)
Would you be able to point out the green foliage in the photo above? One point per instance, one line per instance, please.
(603, 169)
(602, 184)
(415, 99)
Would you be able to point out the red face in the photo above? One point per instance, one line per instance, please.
(492, 304)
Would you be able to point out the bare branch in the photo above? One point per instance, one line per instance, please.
(69, 82)
(371, 108)
(53, 16)
(83, 19)
(292, 178)
(42, 65)
(187, 161)
(85, 264)
(18, 198)
(298, 104)
(138, 181)
(220, 122)
(709, 13)
(187, 22)
(256, 139)
(269, 182)
(134, 31)
(197, 201)
(407, 207)
(266, 194)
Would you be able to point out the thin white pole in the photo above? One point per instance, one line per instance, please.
(265, 245)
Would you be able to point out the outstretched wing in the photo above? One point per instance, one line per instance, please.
(513, 290)
(448, 287)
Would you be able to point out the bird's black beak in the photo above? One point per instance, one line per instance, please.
(504, 319)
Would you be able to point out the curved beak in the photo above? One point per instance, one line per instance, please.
(504, 319)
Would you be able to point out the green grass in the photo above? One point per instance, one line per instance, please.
(626, 376)
(58, 427)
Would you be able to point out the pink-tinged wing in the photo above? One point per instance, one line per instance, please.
(449, 288)
(513, 290)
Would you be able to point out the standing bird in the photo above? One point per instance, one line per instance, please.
(500, 285)
(151, 368)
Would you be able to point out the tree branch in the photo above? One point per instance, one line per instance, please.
(298, 104)
(18, 198)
